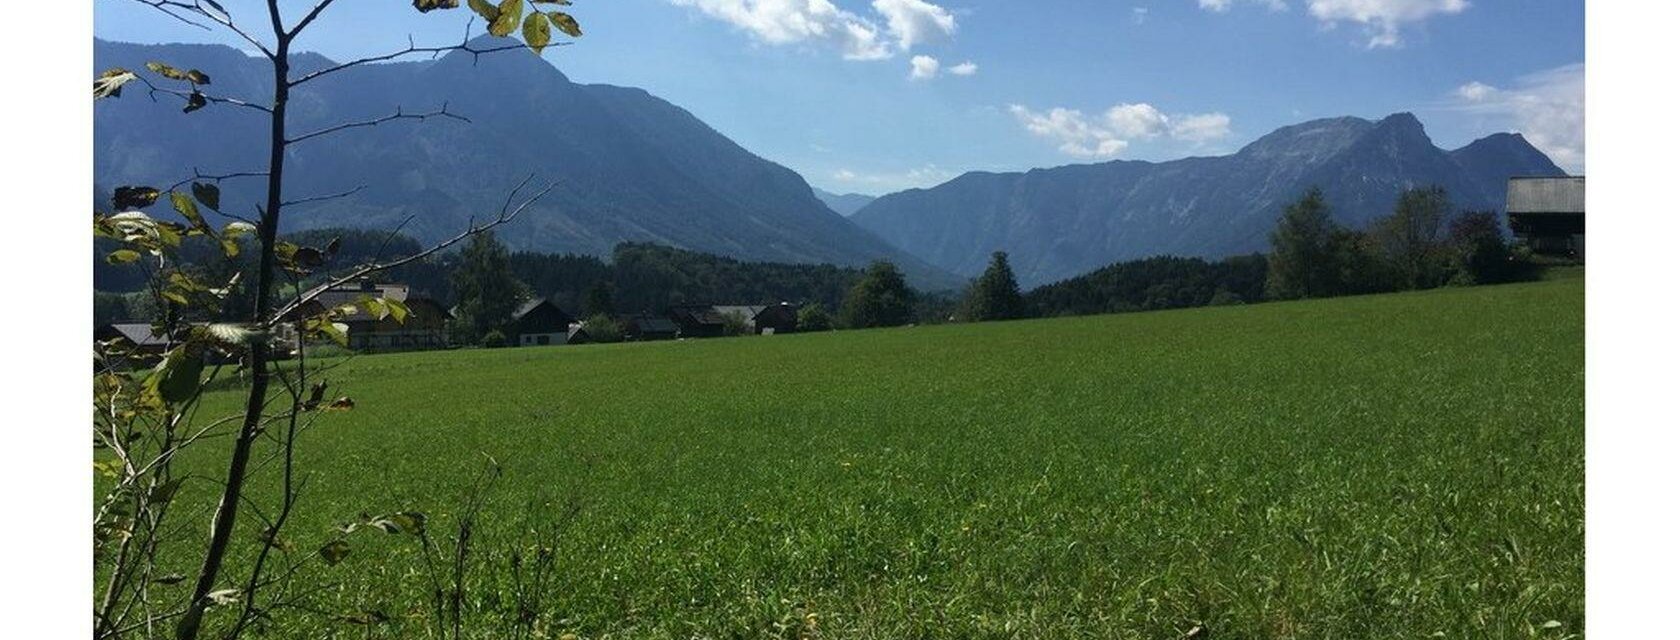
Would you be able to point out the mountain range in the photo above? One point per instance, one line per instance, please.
(1061, 222)
(629, 166)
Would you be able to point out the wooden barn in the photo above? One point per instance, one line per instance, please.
(697, 321)
(540, 322)
(1549, 214)
(648, 327)
(710, 321)
(776, 318)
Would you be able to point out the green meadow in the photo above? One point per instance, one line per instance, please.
(1394, 466)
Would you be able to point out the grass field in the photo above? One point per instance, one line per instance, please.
(1395, 466)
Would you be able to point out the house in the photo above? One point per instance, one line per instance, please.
(710, 321)
(1549, 214)
(540, 322)
(648, 327)
(776, 318)
(697, 321)
(425, 327)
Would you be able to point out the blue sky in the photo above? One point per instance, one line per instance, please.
(874, 96)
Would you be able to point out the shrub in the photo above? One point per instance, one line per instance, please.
(603, 328)
(494, 339)
(813, 317)
(736, 324)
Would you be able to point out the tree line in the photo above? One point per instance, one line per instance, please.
(1421, 244)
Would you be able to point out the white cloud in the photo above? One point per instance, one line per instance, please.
(1382, 20)
(1082, 136)
(1079, 136)
(1140, 15)
(782, 22)
(1221, 6)
(915, 22)
(924, 67)
(924, 176)
(1136, 120)
(779, 22)
(1548, 108)
(1476, 92)
(1202, 127)
(967, 68)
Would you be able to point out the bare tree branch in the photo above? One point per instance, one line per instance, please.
(507, 215)
(152, 90)
(464, 46)
(313, 14)
(399, 115)
(169, 8)
(201, 176)
(323, 198)
(214, 13)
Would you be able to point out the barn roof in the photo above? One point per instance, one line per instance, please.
(746, 311)
(137, 333)
(529, 306)
(652, 324)
(1567, 195)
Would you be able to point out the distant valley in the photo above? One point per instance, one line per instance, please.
(844, 204)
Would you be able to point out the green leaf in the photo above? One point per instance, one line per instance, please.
(176, 378)
(508, 16)
(122, 256)
(209, 194)
(108, 468)
(426, 6)
(166, 71)
(537, 32)
(336, 331)
(127, 198)
(110, 83)
(399, 311)
(168, 233)
(484, 10)
(231, 235)
(195, 101)
(165, 491)
(335, 552)
(565, 22)
(187, 208)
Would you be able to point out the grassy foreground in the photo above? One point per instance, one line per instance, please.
(1395, 466)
